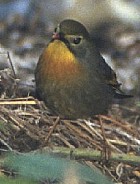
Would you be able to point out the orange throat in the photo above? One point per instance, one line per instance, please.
(59, 63)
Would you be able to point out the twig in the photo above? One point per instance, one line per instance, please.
(80, 133)
(123, 126)
(63, 139)
(5, 144)
(91, 154)
(51, 131)
(31, 102)
(10, 61)
(19, 101)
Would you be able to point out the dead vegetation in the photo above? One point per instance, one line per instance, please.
(26, 124)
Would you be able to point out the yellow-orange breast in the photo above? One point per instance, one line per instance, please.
(59, 64)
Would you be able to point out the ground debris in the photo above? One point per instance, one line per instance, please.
(26, 124)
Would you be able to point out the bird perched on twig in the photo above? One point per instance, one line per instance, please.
(71, 76)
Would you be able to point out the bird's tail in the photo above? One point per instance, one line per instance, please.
(119, 94)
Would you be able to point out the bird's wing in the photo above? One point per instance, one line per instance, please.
(110, 78)
(108, 74)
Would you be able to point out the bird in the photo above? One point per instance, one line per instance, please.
(72, 77)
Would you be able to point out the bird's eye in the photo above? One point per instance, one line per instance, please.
(77, 40)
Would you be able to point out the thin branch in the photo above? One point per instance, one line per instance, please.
(5, 144)
(52, 129)
(12, 66)
(90, 154)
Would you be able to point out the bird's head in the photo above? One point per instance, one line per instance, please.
(74, 35)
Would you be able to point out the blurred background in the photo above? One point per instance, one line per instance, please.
(114, 25)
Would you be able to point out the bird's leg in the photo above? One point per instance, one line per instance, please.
(51, 130)
(106, 153)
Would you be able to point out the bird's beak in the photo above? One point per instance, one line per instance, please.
(56, 36)
(56, 33)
